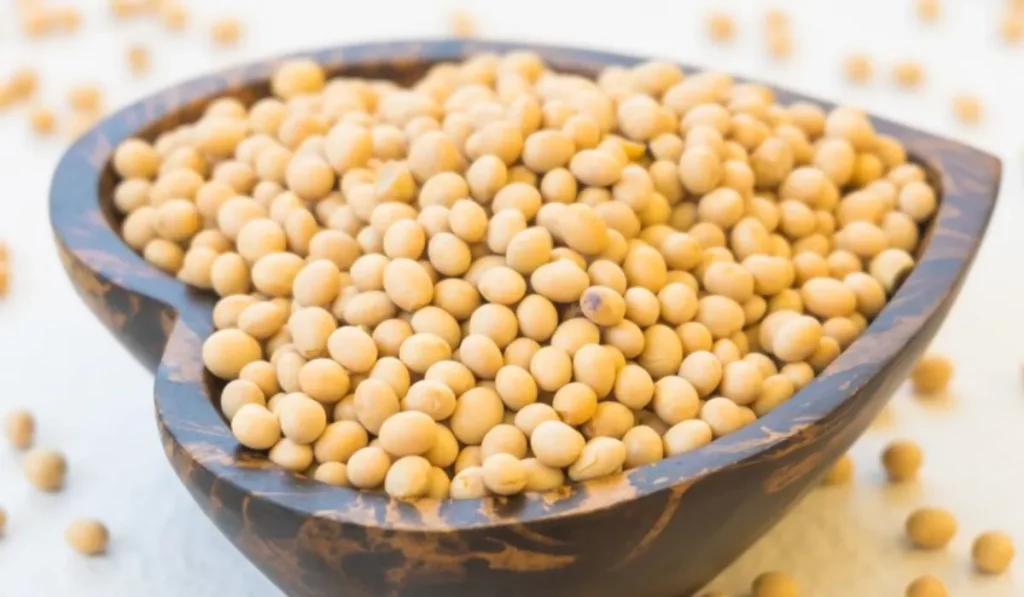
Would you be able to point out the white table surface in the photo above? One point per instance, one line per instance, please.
(94, 402)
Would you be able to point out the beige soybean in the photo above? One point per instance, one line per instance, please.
(546, 150)
(700, 170)
(931, 374)
(389, 335)
(468, 483)
(827, 297)
(645, 267)
(634, 386)
(575, 403)
(561, 281)
(456, 376)
(332, 473)
(992, 552)
(288, 361)
(686, 436)
(311, 328)
(476, 412)
(339, 441)
(481, 355)
(597, 168)
(449, 254)
(496, 322)
(551, 367)
(826, 352)
(596, 367)
(19, 429)
(582, 229)
(702, 370)
(393, 372)
(601, 456)
(643, 446)
(604, 272)
(520, 352)
(275, 273)
(721, 315)
(675, 399)
(663, 351)
(445, 451)
(516, 387)
(368, 467)
(228, 309)
(504, 474)
(626, 337)
(404, 238)
(540, 477)
(556, 444)
(457, 297)
(775, 584)
(908, 74)
(611, 419)
(868, 292)
(530, 249)
(642, 306)
(927, 586)
(433, 398)
(502, 228)
(302, 418)
(297, 77)
(226, 351)
(902, 460)
(930, 528)
(796, 339)
(727, 350)
(502, 285)
(229, 274)
(87, 536)
(504, 438)
(353, 348)
(419, 351)
(725, 416)
(890, 268)
(694, 337)
(408, 433)
(775, 390)
(375, 402)
(742, 382)
(537, 317)
(574, 334)
(255, 427)
(731, 280)
(468, 220)
(44, 469)
(263, 320)
(237, 394)
(532, 415)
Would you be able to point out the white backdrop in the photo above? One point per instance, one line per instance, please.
(94, 403)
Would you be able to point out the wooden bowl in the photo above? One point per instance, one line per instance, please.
(664, 529)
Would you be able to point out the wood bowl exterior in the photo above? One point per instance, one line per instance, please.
(664, 529)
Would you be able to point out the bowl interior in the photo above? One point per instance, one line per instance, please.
(405, 74)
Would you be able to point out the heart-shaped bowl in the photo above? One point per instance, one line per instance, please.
(661, 529)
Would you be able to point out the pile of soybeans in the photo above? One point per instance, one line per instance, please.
(503, 277)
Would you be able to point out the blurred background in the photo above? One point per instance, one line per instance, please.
(95, 403)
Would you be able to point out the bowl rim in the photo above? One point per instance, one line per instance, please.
(968, 180)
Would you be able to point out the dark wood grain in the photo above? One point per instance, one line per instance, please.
(663, 529)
